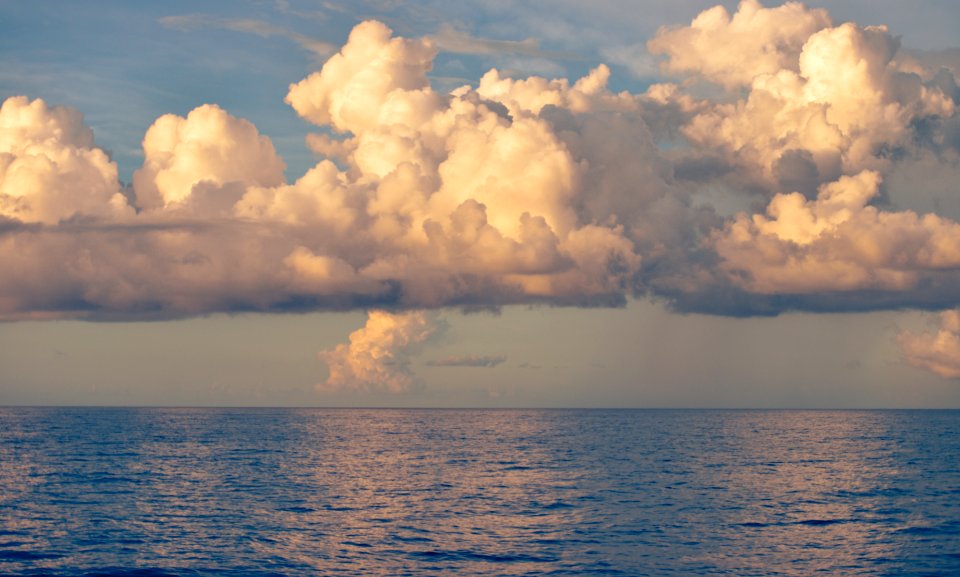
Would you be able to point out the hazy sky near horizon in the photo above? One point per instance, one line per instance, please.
(336, 204)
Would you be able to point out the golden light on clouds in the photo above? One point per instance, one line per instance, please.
(506, 191)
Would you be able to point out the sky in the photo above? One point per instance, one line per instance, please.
(480, 204)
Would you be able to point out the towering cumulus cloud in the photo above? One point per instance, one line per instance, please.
(447, 199)
(513, 190)
(377, 358)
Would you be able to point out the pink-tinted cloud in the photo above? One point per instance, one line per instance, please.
(517, 190)
(377, 357)
(201, 164)
(50, 169)
(936, 352)
(836, 243)
(733, 50)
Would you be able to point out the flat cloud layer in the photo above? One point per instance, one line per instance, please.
(469, 361)
(518, 190)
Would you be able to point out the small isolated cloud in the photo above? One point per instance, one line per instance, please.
(377, 358)
(936, 352)
(469, 361)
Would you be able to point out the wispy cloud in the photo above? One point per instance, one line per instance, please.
(454, 40)
(189, 22)
(284, 7)
(468, 361)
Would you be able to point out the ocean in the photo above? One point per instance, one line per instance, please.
(199, 491)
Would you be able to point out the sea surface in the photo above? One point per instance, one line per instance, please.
(150, 492)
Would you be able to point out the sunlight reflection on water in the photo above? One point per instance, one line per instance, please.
(479, 492)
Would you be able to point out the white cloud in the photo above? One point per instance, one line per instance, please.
(377, 359)
(836, 243)
(201, 164)
(846, 107)
(936, 352)
(50, 170)
(735, 50)
(521, 190)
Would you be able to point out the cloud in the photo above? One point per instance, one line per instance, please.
(735, 50)
(50, 170)
(515, 191)
(377, 359)
(469, 361)
(454, 179)
(938, 352)
(841, 107)
(635, 57)
(450, 39)
(836, 243)
(191, 163)
(814, 119)
(189, 22)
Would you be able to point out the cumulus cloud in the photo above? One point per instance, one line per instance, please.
(814, 119)
(192, 163)
(475, 188)
(513, 190)
(50, 170)
(436, 200)
(469, 361)
(836, 243)
(377, 359)
(844, 109)
(936, 352)
(734, 50)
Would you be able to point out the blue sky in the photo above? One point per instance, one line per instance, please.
(125, 64)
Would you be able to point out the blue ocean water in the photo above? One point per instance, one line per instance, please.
(152, 492)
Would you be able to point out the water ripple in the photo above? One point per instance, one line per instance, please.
(210, 492)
